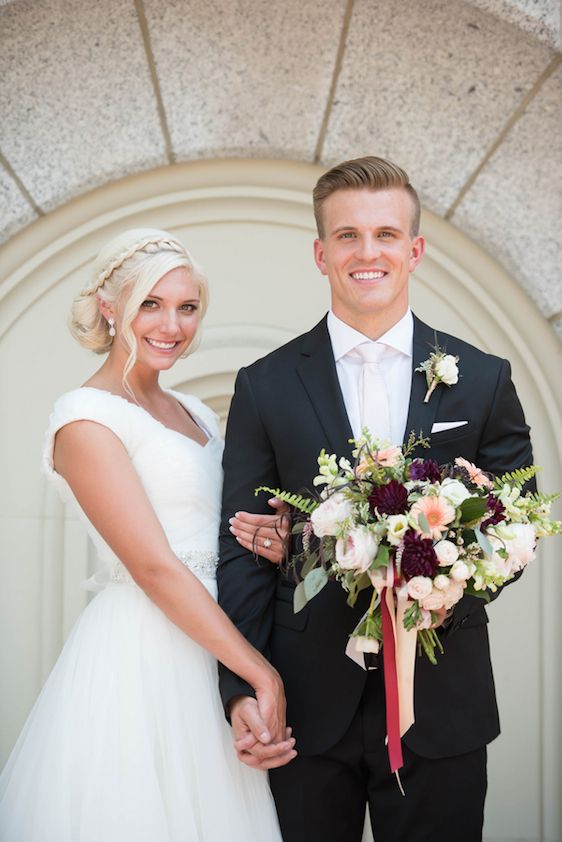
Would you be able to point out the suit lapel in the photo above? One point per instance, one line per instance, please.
(421, 416)
(317, 371)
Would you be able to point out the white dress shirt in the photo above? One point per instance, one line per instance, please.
(396, 368)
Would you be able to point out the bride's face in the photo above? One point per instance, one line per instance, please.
(167, 320)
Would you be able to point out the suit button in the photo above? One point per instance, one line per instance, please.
(463, 621)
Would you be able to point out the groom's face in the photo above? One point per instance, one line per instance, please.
(368, 252)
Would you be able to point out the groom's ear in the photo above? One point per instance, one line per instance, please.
(319, 257)
(416, 252)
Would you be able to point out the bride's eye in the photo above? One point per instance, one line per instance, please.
(148, 304)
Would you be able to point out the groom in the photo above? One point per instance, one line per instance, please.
(314, 393)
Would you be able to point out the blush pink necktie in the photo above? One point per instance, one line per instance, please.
(373, 397)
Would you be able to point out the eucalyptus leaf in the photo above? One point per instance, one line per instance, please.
(363, 582)
(299, 598)
(423, 523)
(484, 543)
(352, 595)
(309, 564)
(381, 558)
(314, 582)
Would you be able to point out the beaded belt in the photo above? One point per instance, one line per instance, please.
(200, 562)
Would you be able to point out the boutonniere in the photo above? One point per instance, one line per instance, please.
(439, 368)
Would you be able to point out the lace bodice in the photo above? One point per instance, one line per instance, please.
(182, 479)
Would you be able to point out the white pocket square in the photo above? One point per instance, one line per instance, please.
(440, 426)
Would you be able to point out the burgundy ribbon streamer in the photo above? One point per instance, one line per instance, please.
(391, 689)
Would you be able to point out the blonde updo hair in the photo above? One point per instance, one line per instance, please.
(124, 272)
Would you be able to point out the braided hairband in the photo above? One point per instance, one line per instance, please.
(172, 245)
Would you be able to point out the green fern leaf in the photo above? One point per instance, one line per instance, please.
(297, 501)
(518, 477)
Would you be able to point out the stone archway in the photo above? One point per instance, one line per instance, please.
(250, 225)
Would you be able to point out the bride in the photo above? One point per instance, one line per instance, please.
(127, 741)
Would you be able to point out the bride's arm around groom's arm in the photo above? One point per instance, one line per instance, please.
(247, 585)
(98, 469)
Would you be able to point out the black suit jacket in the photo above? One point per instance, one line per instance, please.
(286, 408)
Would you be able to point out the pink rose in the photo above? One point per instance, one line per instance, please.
(521, 548)
(419, 587)
(328, 516)
(434, 601)
(357, 550)
(502, 567)
(453, 594)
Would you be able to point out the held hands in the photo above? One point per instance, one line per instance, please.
(264, 535)
(261, 738)
(253, 741)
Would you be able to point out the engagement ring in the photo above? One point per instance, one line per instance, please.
(267, 543)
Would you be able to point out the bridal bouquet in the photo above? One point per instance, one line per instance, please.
(420, 535)
(424, 533)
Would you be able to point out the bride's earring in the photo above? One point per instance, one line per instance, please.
(111, 323)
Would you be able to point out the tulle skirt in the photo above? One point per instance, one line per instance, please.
(127, 741)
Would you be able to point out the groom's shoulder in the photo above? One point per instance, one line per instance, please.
(291, 352)
(450, 344)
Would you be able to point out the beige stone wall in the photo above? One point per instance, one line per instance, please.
(465, 95)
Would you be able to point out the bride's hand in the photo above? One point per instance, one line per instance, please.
(264, 535)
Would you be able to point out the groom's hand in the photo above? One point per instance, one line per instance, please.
(254, 744)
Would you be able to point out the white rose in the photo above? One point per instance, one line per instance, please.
(441, 582)
(495, 565)
(460, 571)
(447, 370)
(453, 491)
(453, 593)
(357, 551)
(419, 587)
(446, 553)
(434, 601)
(521, 547)
(327, 517)
(366, 644)
(397, 526)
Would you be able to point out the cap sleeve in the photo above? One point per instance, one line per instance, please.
(86, 404)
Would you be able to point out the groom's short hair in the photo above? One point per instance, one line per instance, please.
(369, 173)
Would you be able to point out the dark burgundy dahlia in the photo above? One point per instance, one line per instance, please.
(418, 557)
(389, 499)
(496, 511)
(422, 469)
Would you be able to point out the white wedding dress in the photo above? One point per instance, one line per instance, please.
(127, 741)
